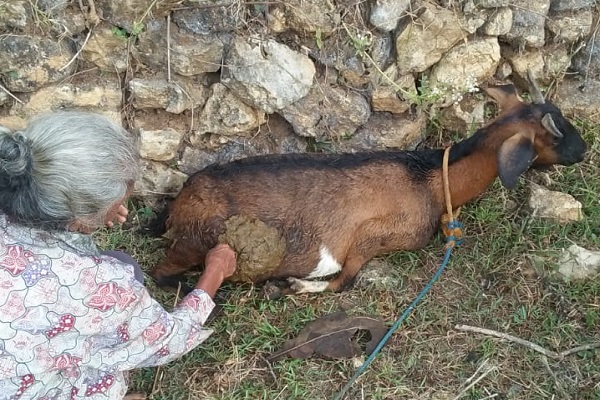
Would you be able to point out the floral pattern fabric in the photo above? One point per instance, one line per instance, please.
(73, 322)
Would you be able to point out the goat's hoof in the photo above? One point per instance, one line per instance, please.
(296, 285)
(302, 286)
(270, 291)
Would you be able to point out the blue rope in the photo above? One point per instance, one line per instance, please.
(449, 240)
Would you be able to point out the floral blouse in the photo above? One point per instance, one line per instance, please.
(72, 322)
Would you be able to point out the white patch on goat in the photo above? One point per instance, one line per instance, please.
(327, 265)
(302, 286)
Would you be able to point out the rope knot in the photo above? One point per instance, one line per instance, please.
(453, 232)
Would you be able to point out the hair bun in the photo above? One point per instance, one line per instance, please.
(16, 159)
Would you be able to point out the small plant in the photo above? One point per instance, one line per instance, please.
(119, 32)
(138, 27)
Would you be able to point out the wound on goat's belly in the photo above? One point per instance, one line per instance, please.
(260, 248)
(327, 265)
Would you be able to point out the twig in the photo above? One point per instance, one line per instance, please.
(10, 94)
(169, 47)
(483, 364)
(510, 338)
(577, 349)
(526, 343)
(80, 49)
(483, 375)
(556, 382)
(146, 12)
(491, 396)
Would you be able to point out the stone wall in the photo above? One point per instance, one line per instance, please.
(210, 81)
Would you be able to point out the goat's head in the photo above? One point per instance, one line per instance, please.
(537, 134)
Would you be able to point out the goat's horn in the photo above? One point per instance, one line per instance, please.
(536, 94)
(550, 126)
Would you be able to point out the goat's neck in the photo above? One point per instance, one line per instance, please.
(472, 167)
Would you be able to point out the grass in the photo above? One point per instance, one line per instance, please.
(502, 278)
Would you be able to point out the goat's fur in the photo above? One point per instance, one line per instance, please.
(344, 209)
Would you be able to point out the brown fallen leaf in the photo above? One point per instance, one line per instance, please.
(333, 336)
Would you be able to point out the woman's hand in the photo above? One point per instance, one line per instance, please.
(220, 264)
(118, 215)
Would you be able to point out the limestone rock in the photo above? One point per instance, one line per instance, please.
(388, 98)
(422, 42)
(570, 26)
(225, 114)
(464, 116)
(386, 13)
(493, 3)
(529, 20)
(159, 145)
(106, 50)
(328, 112)
(381, 49)
(557, 206)
(577, 100)
(69, 22)
(267, 74)
(13, 14)
(546, 64)
(128, 14)
(274, 136)
(557, 59)
(467, 64)
(30, 62)
(102, 95)
(190, 54)
(473, 17)
(175, 97)
(570, 5)
(499, 22)
(209, 20)
(521, 61)
(587, 61)
(386, 131)
(4, 97)
(578, 263)
(158, 179)
(309, 16)
(503, 71)
(340, 56)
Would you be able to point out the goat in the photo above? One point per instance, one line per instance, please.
(334, 212)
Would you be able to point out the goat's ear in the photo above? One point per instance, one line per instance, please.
(514, 157)
(505, 95)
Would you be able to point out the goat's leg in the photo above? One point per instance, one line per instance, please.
(376, 236)
(178, 260)
(351, 267)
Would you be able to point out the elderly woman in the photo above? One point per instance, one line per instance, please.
(74, 319)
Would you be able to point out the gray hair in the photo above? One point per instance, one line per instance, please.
(65, 166)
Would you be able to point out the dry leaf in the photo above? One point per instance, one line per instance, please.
(333, 336)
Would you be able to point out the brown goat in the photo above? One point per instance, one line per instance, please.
(337, 211)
